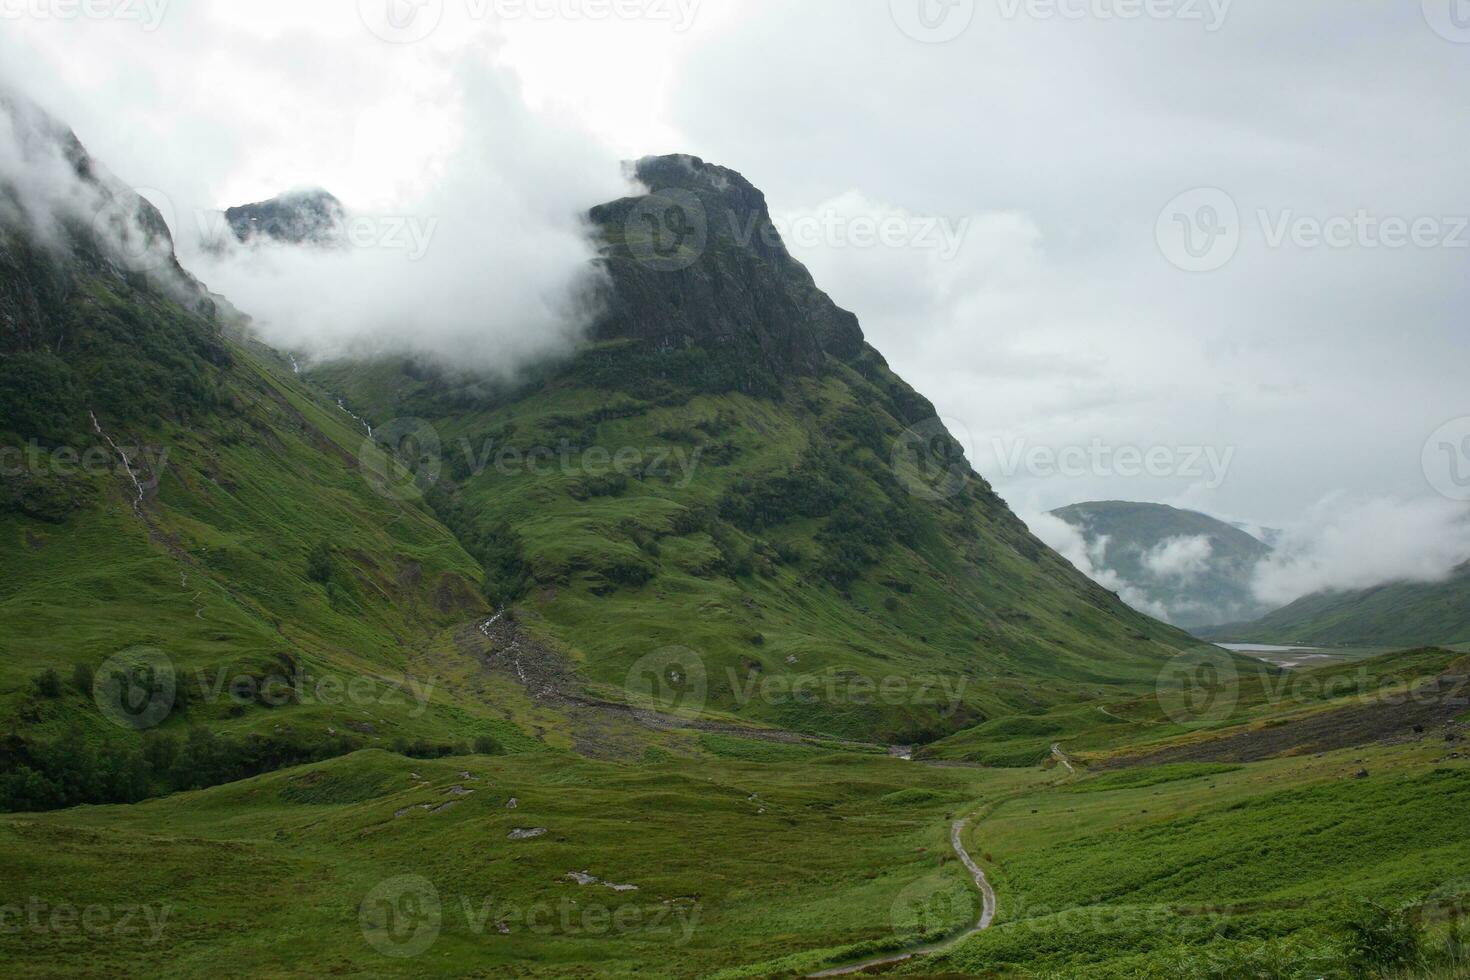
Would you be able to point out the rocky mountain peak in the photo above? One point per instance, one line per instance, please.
(309, 216)
(697, 262)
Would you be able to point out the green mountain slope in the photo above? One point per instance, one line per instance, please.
(1194, 569)
(1400, 614)
(184, 517)
(190, 524)
(727, 468)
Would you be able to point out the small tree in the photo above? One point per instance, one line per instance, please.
(48, 684)
(81, 678)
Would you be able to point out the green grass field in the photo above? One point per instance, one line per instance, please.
(734, 861)
(1138, 872)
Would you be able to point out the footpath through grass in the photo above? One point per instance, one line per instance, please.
(376, 865)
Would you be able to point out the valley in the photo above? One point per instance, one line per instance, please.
(699, 649)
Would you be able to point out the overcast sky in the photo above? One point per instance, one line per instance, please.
(1050, 290)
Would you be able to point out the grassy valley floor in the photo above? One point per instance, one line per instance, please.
(721, 855)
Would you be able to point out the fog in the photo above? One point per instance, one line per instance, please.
(1349, 543)
(491, 267)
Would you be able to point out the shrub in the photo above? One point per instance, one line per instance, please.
(1381, 939)
(320, 564)
(72, 770)
(611, 485)
(48, 683)
(421, 748)
(38, 397)
(81, 678)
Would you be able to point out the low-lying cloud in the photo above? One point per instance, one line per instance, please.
(1182, 558)
(466, 236)
(60, 206)
(1350, 543)
(1090, 559)
(488, 268)
(1343, 544)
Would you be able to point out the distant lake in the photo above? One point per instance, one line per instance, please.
(1264, 648)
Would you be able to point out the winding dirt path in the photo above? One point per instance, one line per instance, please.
(987, 915)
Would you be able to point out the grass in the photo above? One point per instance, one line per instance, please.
(1397, 615)
(735, 862)
(1114, 874)
(972, 597)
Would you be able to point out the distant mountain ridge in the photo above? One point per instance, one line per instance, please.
(1399, 614)
(1191, 569)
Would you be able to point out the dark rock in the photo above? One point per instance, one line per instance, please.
(307, 217)
(698, 262)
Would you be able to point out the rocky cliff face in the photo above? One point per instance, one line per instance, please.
(309, 217)
(63, 219)
(697, 261)
(97, 317)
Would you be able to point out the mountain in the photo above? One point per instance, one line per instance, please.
(1190, 569)
(179, 514)
(1399, 614)
(785, 507)
(303, 217)
(1270, 536)
(592, 675)
(795, 526)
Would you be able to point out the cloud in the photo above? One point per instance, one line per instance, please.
(65, 201)
(488, 269)
(468, 205)
(1183, 558)
(1084, 127)
(1059, 321)
(1089, 559)
(1351, 543)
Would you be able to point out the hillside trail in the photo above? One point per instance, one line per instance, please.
(988, 903)
(987, 915)
(500, 645)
